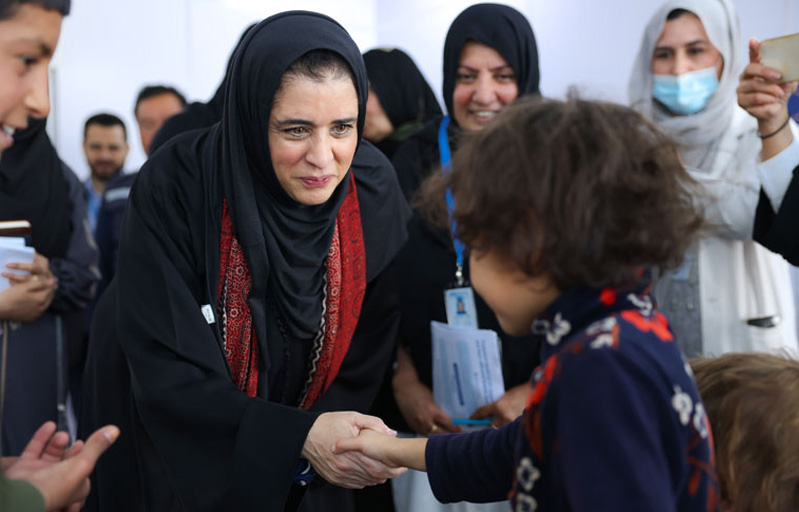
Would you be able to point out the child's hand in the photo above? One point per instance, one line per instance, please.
(391, 451)
(507, 408)
(350, 470)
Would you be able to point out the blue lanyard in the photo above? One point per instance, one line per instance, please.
(446, 156)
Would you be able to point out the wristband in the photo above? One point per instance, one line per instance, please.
(775, 132)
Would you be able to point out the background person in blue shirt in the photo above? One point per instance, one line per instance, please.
(565, 207)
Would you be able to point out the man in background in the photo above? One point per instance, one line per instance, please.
(154, 105)
(105, 142)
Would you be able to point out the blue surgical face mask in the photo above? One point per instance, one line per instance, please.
(687, 93)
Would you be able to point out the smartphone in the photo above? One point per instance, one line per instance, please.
(782, 54)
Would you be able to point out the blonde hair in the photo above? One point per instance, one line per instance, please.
(752, 401)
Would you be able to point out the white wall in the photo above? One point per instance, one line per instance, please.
(109, 49)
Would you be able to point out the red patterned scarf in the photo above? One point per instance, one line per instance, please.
(344, 290)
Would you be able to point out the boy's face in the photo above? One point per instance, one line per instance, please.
(516, 298)
(27, 42)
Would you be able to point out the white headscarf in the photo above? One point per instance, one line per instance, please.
(696, 133)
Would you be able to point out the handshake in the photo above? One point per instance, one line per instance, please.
(353, 450)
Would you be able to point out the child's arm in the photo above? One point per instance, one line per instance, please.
(476, 466)
(391, 451)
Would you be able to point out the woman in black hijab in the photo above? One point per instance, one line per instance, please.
(490, 59)
(400, 99)
(254, 285)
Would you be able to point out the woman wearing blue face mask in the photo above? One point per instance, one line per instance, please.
(731, 294)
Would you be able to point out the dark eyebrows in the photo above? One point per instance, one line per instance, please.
(305, 122)
(698, 42)
(43, 48)
(294, 122)
(502, 67)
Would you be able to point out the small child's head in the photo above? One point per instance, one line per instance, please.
(557, 194)
(752, 401)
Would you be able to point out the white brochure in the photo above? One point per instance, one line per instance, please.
(13, 250)
(467, 370)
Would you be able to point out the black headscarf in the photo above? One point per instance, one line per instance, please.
(196, 115)
(403, 92)
(285, 243)
(502, 28)
(33, 188)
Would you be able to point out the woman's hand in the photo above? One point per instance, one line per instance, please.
(415, 400)
(761, 94)
(507, 408)
(351, 470)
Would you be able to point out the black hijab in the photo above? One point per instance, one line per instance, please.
(403, 92)
(196, 115)
(504, 29)
(286, 243)
(33, 188)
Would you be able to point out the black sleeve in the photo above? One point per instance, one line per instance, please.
(217, 448)
(372, 348)
(476, 467)
(779, 232)
(77, 271)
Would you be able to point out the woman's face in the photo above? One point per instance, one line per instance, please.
(313, 135)
(484, 83)
(683, 47)
(27, 42)
(377, 125)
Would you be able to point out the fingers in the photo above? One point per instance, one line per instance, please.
(29, 282)
(443, 422)
(55, 448)
(39, 441)
(790, 87)
(75, 449)
(754, 50)
(759, 71)
(364, 422)
(97, 443)
(770, 91)
(485, 411)
(349, 444)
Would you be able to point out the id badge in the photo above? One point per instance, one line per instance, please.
(461, 311)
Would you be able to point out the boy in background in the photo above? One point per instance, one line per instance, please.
(752, 401)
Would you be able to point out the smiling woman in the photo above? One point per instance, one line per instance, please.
(312, 128)
(272, 295)
(730, 294)
(490, 59)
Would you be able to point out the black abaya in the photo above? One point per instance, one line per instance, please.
(200, 442)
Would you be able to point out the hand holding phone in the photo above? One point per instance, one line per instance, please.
(782, 54)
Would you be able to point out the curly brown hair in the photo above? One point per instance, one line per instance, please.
(752, 401)
(587, 192)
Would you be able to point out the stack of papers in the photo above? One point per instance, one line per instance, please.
(467, 369)
(13, 250)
